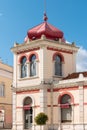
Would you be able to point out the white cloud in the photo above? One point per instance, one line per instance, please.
(81, 63)
(67, 42)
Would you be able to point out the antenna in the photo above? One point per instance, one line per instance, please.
(44, 6)
(45, 16)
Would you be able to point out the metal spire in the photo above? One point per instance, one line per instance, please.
(45, 16)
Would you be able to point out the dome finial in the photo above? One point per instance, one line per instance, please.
(45, 15)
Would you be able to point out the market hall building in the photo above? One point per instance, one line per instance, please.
(45, 80)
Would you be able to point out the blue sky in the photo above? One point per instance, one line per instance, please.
(17, 16)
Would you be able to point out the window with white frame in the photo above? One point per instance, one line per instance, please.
(1, 90)
(28, 112)
(28, 66)
(58, 65)
(33, 65)
(66, 109)
(23, 67)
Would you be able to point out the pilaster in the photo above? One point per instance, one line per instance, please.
(14, 111)
(43, 99)
(81, 103)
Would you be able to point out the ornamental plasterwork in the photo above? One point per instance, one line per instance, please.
(66, 85)
(70, 84)
(40, 86)
(35, 43)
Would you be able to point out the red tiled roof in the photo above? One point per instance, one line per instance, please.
(47, 29)
(75, 75)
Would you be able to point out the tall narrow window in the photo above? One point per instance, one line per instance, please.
(66, 109)
(28, 112)
(23, 67)
(58, 66)
(33, 65)
(1, 90)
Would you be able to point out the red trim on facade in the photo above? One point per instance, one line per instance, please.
(58, 105)
(53, 105)
(85, 103)
(68, 89)
(61, 95)
(33, 53)
(85, 86)
(26, 107)
(64, 105)
(59, 54)
(27, 91)
(76, 104)
(24, 51)
(28, 56)
(21, 56)
(18, 107)
(60, 50)
(64, 89)
(36, 106)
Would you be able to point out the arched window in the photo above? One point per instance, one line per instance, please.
(28, 112)
(58, 65)
(33, 65)
(23, 67)
(66, 109)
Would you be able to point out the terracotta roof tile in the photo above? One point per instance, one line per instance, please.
(75, 75)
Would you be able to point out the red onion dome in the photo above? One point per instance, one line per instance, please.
(46, 29)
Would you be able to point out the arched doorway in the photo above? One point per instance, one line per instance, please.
(28, 112)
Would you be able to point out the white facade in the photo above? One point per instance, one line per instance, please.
(44, 91)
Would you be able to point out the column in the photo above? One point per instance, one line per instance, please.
(14, 111)
(19, 71)
(43, 102)
(37, 68)
(81, 104)
(63, 69)
(28, 69)
(43, 99)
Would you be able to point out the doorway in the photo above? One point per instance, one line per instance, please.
(28, 112)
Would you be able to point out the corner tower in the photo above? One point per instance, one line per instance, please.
(43, 57)
(45, 45)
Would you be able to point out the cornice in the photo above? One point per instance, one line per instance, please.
(48, 86)
(5, 70)
(26, 88)
(28, 50)
(65, 85)
(6, 73)
(70, 84)
(29, 88)
(43, 42)
(60, 50)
